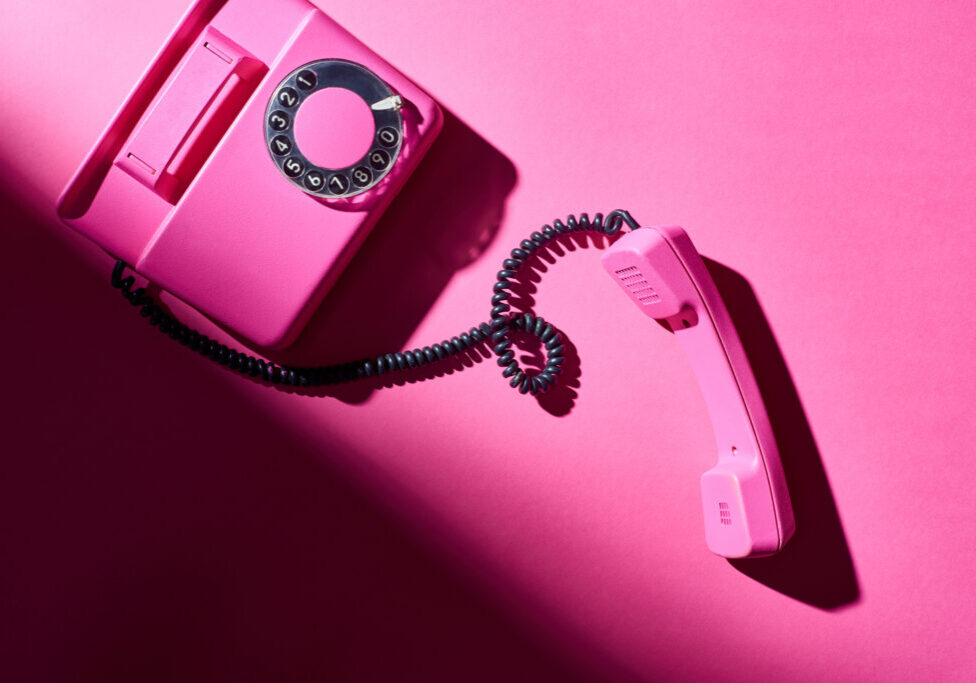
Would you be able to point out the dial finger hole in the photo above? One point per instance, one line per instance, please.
(279, 120)
(314, 181)
(388, 136)
(361, 176)
(379, 159)
(281, 145)
(293, 167)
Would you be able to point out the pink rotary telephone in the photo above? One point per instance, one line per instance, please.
(250, 161)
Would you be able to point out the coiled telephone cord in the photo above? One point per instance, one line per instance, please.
(498, 330)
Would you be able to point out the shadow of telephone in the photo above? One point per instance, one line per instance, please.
(259, 149)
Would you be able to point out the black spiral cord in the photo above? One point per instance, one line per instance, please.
(498, 329)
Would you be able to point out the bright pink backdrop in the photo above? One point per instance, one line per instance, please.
(164, 520)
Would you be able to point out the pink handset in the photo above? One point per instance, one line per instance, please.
(250, 161)
(744, 496)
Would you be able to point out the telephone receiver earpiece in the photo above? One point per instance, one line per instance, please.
(744, 496)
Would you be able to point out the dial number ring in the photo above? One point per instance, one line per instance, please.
(279, 129)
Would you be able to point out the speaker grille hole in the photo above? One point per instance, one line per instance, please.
(724, 514)
(639, 287)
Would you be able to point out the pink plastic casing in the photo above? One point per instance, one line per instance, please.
(181, 185)
(744, 496)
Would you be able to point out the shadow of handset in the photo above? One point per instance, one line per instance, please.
(815, 567)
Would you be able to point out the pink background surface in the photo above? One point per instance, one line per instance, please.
(164, 520)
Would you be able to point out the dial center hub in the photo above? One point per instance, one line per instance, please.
(334, 128)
